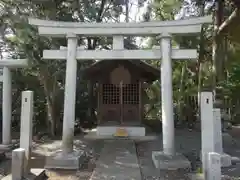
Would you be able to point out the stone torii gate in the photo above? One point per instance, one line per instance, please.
(71, 31)
(6, 79)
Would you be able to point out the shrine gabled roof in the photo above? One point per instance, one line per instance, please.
(151, 72)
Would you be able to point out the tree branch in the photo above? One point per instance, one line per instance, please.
(99, 19)
(235, 14)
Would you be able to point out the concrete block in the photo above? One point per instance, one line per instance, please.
(226, 160)
(71, 161)
(213, 171)
(18, 156)
(167, 162)
(217, 128)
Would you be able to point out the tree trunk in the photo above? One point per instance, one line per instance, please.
(217, 74)
(200, 60)
(181, 93)
(51, 117)
(50, 100)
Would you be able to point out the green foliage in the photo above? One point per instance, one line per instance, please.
(46, 78)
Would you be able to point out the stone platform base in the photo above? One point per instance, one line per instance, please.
(5, 148)
(9, 147)
(71, 161)
(93, 136)
(111, 130)
(166, 162)
(35, 174)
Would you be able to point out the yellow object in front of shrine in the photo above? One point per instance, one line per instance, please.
(121, 132)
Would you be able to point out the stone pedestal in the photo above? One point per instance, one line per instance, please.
(214, 166)
(226, 159)
(170, 162)
(18, 156)
(68, 161)
(6, 148)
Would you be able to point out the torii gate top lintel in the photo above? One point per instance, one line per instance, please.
(60, 28)
(14, 63)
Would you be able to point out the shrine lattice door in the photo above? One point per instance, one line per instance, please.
(121, 102)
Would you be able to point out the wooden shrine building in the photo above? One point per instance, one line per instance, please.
(119, 90)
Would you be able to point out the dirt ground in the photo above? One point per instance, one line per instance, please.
(187, 142)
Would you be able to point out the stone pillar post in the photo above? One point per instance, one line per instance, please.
(70, 95)
(207, 127)
(166, 94)
(26, 127)
(6, 106)
(217, 128)
(214, 166)
(18, 164)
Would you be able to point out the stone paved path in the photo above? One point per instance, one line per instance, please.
(118, 161)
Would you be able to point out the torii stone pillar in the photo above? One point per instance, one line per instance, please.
(166, 94)
(168, 158)
(6, 106)
(68, 158)
(70, 95)
(7, 97)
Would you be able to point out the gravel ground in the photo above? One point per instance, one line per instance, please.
(92, 149)
(148, 170)
(189, 144)
(5, 167)
(40, 150)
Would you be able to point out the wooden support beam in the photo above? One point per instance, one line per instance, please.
(179, 54)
